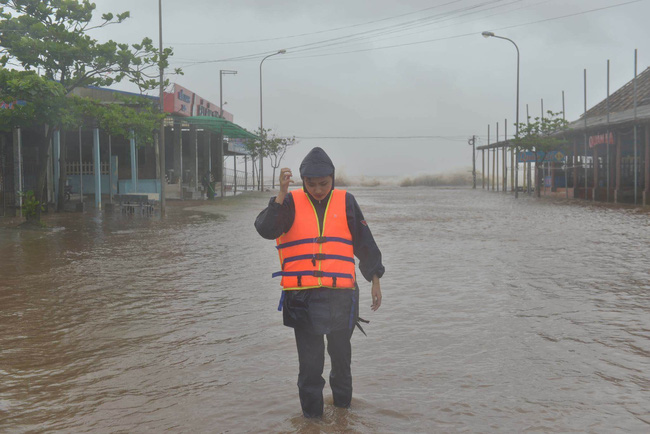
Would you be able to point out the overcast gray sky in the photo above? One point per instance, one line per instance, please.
(439, 76)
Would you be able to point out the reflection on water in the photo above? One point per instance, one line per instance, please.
(498, 315)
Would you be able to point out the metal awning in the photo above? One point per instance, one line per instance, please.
(615, 119)
(219, 125)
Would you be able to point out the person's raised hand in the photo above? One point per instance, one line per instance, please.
(285, 181)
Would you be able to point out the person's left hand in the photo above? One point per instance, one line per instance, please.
(375, 293)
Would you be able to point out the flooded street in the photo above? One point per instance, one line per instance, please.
(498, 316)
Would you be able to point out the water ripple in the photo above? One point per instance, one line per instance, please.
(498, 316)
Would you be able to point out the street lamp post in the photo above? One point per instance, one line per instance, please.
(472, 142)
(161, 95)
(488, 35)
(222, 72)
(261, 117)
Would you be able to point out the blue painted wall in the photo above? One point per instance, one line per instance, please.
(89, 184)
(121, 186)
(144, 186)
(89, 180)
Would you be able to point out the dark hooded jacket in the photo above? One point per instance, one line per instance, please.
(322, 310)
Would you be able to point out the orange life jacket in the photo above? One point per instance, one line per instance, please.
(311, 259)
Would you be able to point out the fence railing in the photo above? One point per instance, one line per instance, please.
(85, 168)
(229, 179)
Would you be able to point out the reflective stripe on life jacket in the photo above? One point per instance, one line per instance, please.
(311, 259)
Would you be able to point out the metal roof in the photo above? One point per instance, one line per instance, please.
(623, 98)
(496, 145)
(615, 119)
(621, 110)
(621, 107)
(218, 125)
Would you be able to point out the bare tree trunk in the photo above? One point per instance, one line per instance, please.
(256, 171)
(274, 164)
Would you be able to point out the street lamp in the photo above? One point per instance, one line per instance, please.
(161, 101)
(261, 123)
(472, 142)
(486, 35)
(223, 72)
(222, 170)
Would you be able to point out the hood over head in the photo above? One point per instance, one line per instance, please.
(316, 164)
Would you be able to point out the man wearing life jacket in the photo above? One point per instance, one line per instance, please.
(318, 231)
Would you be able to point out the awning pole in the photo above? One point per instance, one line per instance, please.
(234, 159)
(636, 163)
(488, 158)
(221, 160)
(81, 170)
(607, 136)
(585, 160)
(496, 157)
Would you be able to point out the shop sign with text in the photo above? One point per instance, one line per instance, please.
(184, 102)
(542, 157)
(600, 139)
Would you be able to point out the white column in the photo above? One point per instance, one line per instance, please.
(98, 169)
(134, 166)
(56, 148)
(18, 171)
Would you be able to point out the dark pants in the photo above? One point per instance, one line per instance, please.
(311, 356)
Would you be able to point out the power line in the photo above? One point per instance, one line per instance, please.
(254, 56)
(465, 34)
(571, 15)
(441, 27)
(320, 31)
(424, 22)
(360, 35)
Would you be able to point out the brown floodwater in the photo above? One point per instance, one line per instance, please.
(498, 316)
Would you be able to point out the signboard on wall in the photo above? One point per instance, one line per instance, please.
(238, 146)
(600, 139)
(542, 157)
(184, 102)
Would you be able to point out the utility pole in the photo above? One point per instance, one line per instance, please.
(161, 97)
(472, 142)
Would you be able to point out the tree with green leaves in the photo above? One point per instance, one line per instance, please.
(277, 148)
(256, 149)
(45, 103)
(270, 146)
(52, 36)
(542, 136)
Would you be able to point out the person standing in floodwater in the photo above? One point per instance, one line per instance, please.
(318, 231)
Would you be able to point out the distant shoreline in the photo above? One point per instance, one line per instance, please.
(454, 179)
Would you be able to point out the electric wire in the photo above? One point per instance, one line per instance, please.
(257, 55)
(465, 34)
(319, 31)
(441, 18)
(368, 33)
(450, 25)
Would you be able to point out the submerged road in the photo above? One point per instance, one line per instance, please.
(498, 316)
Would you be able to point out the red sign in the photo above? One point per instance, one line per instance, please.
(599, 139)
(184, 102)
